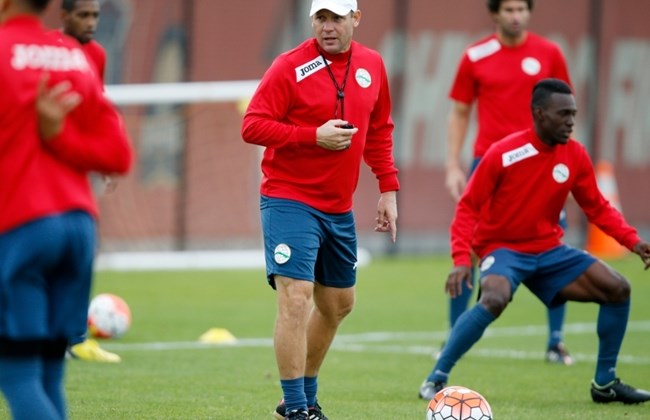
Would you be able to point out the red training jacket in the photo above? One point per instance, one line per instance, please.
(38, 178)
(515, 197)
(295, 97)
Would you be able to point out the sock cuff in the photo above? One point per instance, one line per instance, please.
(54, 349)
(20, 348)
(484, 314)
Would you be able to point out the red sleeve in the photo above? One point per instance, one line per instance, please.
(101, 146)
(263, 123)
(478, 191)
(560, 69)
(101, 65)
(97, 55)
(463, 88)
(598, 210)
(378, 152)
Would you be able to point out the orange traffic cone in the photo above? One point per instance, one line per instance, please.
(599, 244)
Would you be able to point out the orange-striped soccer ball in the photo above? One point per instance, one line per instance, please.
(458, 403)
(109, 316)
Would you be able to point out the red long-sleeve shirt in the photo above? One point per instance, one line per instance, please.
(97, 55)
(516, 195)
(295, 97)
(40, 178)
(93, 49)
(501, 79)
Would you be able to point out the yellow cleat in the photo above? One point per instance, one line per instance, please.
(89, 351)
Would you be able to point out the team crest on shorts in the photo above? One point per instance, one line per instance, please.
(487, 263)
(282, 253)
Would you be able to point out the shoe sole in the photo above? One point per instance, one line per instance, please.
(619, 401)
(603, 401)
(598, 399)
(560, 360)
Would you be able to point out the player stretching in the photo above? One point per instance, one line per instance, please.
(498, 72)
(508, 215)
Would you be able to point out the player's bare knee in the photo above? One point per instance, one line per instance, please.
(293, 303)
(620, 292)
(346, 309)
(495, 294)
(494, 302)
(294, 315)
(342, 311)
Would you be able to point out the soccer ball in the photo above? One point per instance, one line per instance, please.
(458, 403)
(108, 316)
(442, 393)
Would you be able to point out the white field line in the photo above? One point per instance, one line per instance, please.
(389, 342)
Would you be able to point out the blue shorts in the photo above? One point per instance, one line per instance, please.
(46, 269)
(303, 243)
(544, 274)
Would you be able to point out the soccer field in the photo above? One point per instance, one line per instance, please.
(375, 367)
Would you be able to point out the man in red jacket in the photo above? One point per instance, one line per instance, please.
(80, 19)
(508, 215)
(497, 74)
(319, 110)
(57, 127)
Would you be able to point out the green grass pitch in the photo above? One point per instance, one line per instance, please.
(383, 352)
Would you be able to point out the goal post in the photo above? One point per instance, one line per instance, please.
(181, 93)
(192, 199)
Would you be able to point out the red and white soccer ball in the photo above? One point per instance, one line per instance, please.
(109, 316)
(458, 403)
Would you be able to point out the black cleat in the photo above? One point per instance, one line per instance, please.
(297, 415)
(315, 412)
(618, 391)
(559, 354)
(429, 389)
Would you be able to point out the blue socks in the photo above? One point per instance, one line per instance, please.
(459, 304)
(612, 320)
(53, 373)
(468, 330)
(469, 327)
(300, 392)
(555, 323)
(294, 393)
(21, 381)
(311, 387)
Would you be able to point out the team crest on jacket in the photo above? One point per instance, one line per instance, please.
(531, 66)
(561, 173)
(363, 78)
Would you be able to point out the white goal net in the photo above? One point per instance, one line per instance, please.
(192, 199)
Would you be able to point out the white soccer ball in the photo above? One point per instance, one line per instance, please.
(109, 316)
(458, 403)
